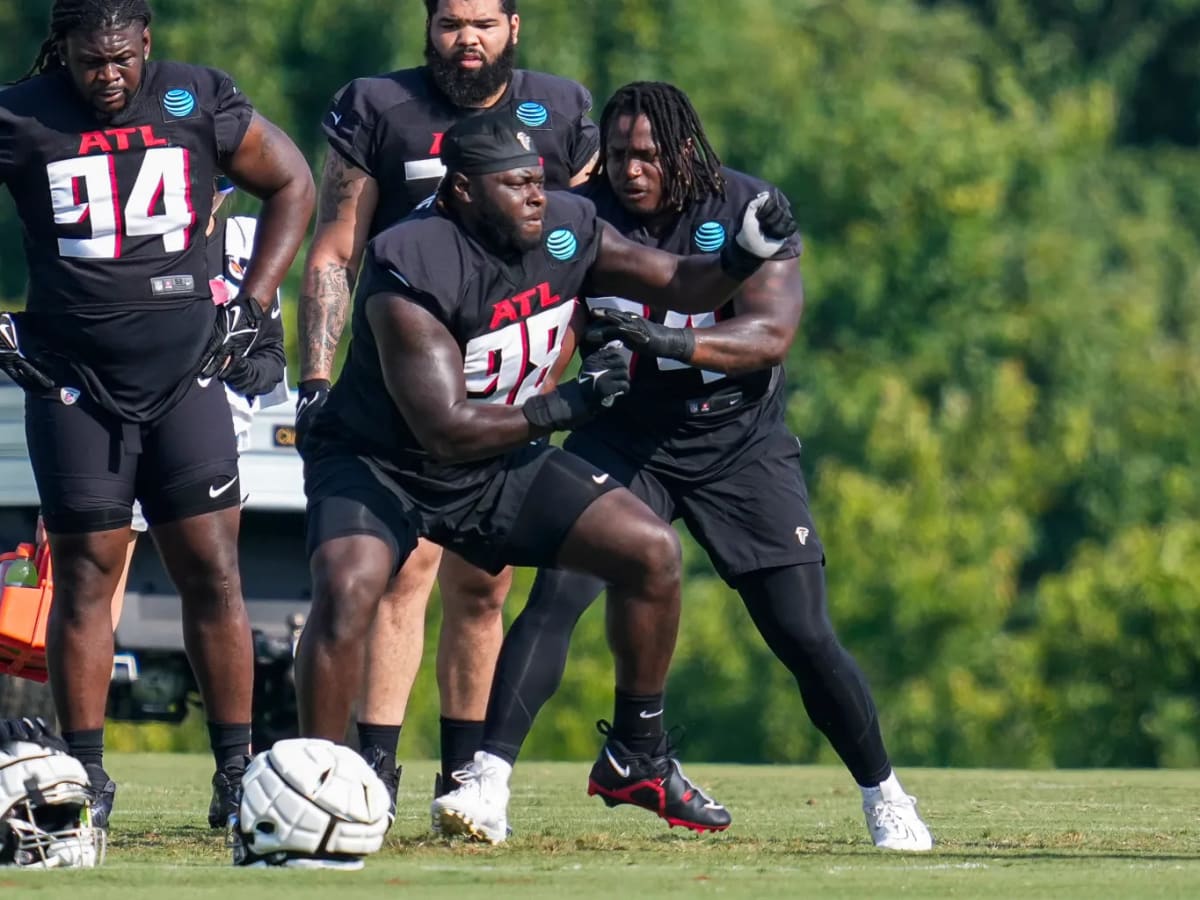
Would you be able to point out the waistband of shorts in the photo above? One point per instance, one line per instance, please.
(725, 401)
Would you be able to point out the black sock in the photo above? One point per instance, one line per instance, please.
(460, 740)
(230, 744)
(86, 746)
(385, 737)
(638, 721)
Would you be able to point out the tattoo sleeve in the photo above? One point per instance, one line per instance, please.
(343, 216)
(323, 306)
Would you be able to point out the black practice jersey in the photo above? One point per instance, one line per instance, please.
(673, 406)
(391, 127)
(114, 214)
(508, 316)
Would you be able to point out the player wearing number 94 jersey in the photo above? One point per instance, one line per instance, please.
(111, 158)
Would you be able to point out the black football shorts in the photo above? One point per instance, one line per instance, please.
(89, 467)
(518, 517)
(753, 515)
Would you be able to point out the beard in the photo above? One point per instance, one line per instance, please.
(466, 87)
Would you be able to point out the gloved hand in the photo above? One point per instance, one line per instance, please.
(767, 224)
(236, 328)
(313, 394)
(16, 364)
(602, 378)
(35, 731)
(640, 335)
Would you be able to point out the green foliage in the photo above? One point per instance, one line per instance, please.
(996, 382)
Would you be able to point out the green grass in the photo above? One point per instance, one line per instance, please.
(797, 832)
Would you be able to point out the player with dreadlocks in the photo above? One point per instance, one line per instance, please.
(701, 437)
(111, 160)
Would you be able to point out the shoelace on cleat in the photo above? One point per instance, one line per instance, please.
(886, 813)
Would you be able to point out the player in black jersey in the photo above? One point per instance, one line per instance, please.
(462, 311)
(384, 134)
(111, 159)
(702, 437)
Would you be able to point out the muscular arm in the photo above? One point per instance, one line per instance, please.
(423, 369)
(268, 165)
(349, 197)
(661, 280)
(768, 307)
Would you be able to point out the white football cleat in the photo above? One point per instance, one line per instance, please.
(895, 825)
(478, 808)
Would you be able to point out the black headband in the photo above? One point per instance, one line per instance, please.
(491, 142)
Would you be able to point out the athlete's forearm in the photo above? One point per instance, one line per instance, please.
(739, 345)
(347, 205)
(281, 230)
(661, 280)
(472, 431)
(323, 306)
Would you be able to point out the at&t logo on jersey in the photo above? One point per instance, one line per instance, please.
(179, 103)
(561, 244)
(710, 237)
(532, 114)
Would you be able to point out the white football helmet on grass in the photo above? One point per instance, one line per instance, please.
(309, 803)
(45, 814)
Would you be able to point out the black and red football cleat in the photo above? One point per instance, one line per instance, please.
(655, 782)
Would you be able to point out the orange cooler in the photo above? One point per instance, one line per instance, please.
(24, 612)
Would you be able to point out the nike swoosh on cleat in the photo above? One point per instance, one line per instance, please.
(643, 714)
(621, 770)
(214, 491)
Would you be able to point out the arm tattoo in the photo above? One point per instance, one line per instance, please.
(338, 186)
(323, 307)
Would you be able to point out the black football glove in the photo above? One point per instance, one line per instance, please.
(767, 224)
(603, 377)
(313, 394)
(234, 333)
(640, 335)
(35, 731)
(15, 363)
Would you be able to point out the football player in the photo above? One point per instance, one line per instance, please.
(384, 134)
(702, 437)
(433, 429)
(111, 157)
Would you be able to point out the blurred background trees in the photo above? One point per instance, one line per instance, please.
(997, 380)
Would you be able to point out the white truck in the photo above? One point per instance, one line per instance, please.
(152, 680)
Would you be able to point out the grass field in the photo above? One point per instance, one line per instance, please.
(797, 831)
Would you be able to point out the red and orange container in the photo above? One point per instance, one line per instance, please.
(24, 612)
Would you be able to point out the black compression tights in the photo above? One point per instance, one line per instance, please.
(788, 607)
(533, 657)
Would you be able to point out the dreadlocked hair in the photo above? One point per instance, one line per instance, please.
(691, 168)
(85, 15)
